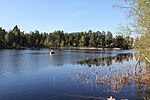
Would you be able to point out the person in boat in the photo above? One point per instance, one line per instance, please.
(51, 52)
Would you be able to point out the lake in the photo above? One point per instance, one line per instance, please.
(69, 75)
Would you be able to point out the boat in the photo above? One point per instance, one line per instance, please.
(51, 52)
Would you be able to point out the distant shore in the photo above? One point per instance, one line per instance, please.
(86, 48)
(74, 48)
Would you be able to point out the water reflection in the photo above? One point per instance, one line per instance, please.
(143, 57)
(36, 75)
(116, 79)
(107, 61)
(143, 90)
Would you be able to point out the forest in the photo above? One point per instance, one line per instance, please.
(16, 39)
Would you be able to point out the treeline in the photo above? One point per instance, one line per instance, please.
(18, 39)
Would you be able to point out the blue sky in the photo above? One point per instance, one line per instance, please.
(67, 15)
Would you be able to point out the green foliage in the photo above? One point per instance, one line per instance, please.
(139, 14)
(82, 41)
(92, 42)
(17, 39)
(2, 37)
(109, 39)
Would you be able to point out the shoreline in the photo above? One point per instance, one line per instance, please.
(86, 48)
(61, 48)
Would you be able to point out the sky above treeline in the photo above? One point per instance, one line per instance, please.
(67, 15)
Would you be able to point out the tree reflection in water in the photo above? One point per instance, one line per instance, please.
(113, 81)
(106, 61)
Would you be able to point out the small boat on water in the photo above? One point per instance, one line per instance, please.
(51, 52)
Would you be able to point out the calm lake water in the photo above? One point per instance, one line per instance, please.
(66, 75)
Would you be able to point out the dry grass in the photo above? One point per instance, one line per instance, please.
(145, 78)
